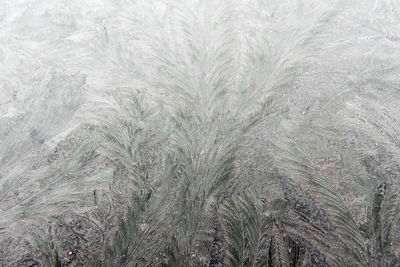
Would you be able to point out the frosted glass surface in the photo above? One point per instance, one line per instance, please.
(199, 133)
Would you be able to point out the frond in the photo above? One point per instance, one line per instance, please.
(279, 252)
(384, 18)
(384, 220)
(52, 191)
(313, 236)
(301, 232)
(379, 119)
(276, 48)
(127, 124)
(320, 187)
(244, 229)
(142, 233)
